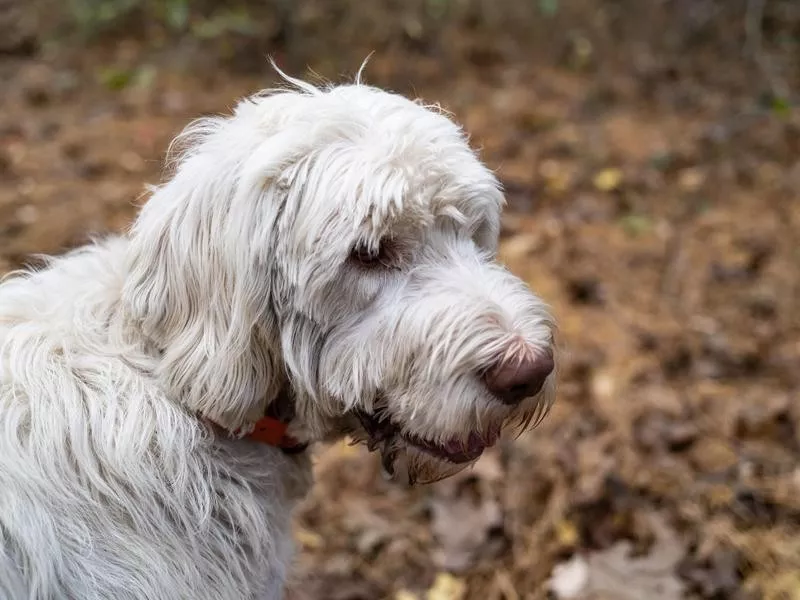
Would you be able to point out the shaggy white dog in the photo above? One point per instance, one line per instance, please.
(323, 257)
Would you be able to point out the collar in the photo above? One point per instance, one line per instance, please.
(272, 432)
(271, 429)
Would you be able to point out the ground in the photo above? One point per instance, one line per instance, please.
(652, 180)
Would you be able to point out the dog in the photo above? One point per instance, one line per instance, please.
(319, 264)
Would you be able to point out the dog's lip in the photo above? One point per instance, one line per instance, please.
(455, 450)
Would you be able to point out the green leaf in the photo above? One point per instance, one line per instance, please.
(635, 225)
(549, 8)
(177, 13)
(781, 107)
(116, 79)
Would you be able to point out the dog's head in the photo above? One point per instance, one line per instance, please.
(341, 241)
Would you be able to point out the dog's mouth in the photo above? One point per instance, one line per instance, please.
(383, 434)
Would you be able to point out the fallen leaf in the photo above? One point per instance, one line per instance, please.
(116, 79)
(447, 587)
(604, 386)
(132, 162)
(518, 247)
(608, 180)
(556, 176)
(636, 224)
(581, 52)
(333, 587)
(715, 577)
(783, 586)
(488, 468)
(465, 516)
(657, 430)
(712, 455)
(614, 574)
(567, 533)
(691, 179)
(308, 539)
(27, 214)
(570, 578)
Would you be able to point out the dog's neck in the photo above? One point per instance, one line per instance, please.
(272, 428)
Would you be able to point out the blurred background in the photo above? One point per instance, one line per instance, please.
(649, 150)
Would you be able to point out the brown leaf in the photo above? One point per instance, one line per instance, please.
(607, 180)
(659, 431)
(519, 246)
(614, 574)
(715, 577)
(712, 455)
(466, 516)
(447, 587)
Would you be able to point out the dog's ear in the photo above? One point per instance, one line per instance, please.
(219, 352)
(200, 286)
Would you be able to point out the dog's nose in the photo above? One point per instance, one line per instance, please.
(517, 377)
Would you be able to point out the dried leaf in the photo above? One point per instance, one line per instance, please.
(608, 180)
(519, 246)
(132, 162)
(635, 225)
(567, 533)
(488, 468)
(556, 176)
(691, 179)
(465, 516)
(447, 587)
(570, 578)
(308, 539)
(604, 386)
(615, 574)
(784, 586)
(715, 577)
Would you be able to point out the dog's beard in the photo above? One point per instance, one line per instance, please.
(407, 463)
(410, 458)
(411, 465)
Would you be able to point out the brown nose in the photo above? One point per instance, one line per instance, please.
(515, 378)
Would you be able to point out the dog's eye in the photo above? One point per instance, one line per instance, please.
(382, 255)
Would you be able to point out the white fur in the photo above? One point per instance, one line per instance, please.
(235, 283)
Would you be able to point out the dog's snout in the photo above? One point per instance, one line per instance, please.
(518, 376)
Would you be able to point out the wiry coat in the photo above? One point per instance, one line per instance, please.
(235, 282)
(108, 488)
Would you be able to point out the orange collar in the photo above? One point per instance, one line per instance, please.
(272, 432)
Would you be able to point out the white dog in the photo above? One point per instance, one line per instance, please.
(320, 264)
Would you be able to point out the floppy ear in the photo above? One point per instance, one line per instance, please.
(201, 277)
(219, 351)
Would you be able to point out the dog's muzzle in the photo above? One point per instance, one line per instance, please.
(410, 457)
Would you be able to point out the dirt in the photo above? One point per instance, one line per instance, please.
(653, 202)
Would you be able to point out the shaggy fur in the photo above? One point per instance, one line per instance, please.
(334, 243)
